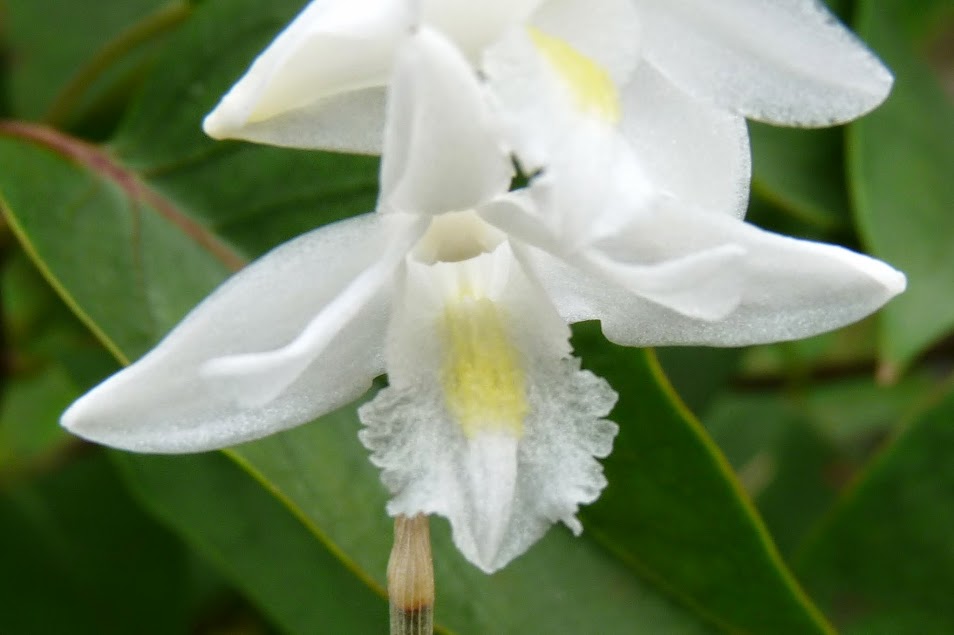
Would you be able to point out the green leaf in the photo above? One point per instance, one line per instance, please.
(674, 512)
(71, 58)
(698, 373)
(884, 560)
(791, 470)
(79, 557)
(256, 542)
(900, 159)
(801, 172)
(473, 603)
(132, 235)
(50, 358)
(323, 472)
(796, 451)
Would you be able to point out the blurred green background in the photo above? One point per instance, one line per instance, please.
(797, 488)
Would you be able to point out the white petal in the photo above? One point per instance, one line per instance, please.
(789, 288)
(444, 149)
(608, 32)
(590, 186)
(331, 49)
(542, 102)
(256, 378)
(535, 106)
(785, 61)
(473, 25)
(163, 403)
(705, 285)
(689, 148)
(350, 122)
(500, 486)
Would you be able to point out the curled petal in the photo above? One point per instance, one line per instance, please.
(165, 403)
(443, 148)
(705, 284)
(789, 288)
(318, 84)
(511, 450)
(786, 61)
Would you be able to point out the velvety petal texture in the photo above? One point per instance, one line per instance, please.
(780, 61)
(688, 148)
(473, 25)
(438, 115)
(320, 82)
(461, 290)
(607, 32)
(166, 403)
(487, 419)
(784, 288)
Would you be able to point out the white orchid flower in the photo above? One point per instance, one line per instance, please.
(461, 291)
(676, 78)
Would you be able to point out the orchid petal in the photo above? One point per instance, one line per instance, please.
(696, 152)
(535, 106)
(443, 151)
(474, 25)
(786, 61)
(165, 403)
(298, 92)
(591, 186)
(501, 482)
(607, 32)
(789, 288)
(706, 284)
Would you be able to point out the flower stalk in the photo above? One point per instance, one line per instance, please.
(411, 577)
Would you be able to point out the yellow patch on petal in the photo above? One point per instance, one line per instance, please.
(483, 381)
(590, 84)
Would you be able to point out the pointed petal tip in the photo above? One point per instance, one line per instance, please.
(222, 121)
(895, 281)
(212, 125)
(892, 280)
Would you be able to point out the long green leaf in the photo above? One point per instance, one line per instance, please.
(135, 233)
(254, 540)
(80, 557)
(883, 562)
(674, 511)
(900, 159)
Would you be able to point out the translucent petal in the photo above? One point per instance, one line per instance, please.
(781, 61)
(443, 148)
(591, 186)
(332, 48)
(164, 403)
(474, 25)
(349, 122)
(696, 152)
(501, 485)
(706, 284)
(608, 32)
(789, 288)
(547, 92)
(535, 105)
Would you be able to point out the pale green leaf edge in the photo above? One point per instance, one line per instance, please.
(742, 498)
(662, 381)
(871, 468)
(114, 350)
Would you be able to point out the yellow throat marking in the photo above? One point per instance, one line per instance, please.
(593, 90)
(483, 381)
